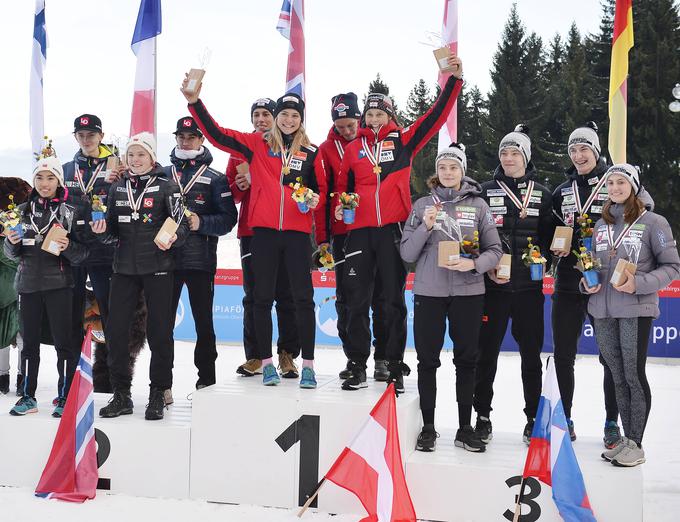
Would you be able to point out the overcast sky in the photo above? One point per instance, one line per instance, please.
(90, 67)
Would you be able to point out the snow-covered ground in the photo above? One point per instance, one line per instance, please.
(661, 472)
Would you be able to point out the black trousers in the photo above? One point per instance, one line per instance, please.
(568, 314)
(58, 305)
(201, 289)
(158, 289)
(372, 255)
(526, 311)
(285, 308)
(464, 314)
(379, 336)
(273, 252)
(100, 278)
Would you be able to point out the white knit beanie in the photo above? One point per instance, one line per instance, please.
(628, 171)
(586, 135)
(146, 141)
(518, 140)
(455, 152)
(50, 164)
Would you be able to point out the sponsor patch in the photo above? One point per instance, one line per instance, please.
(498, 221)
(225, 194)
(601, 247)
(465, 215)
(80, 222)
(466, 223)
(300, 155)
(494, 192)
(388, 145)
(148, 202)
(662, 238)
(28, 242)
(122, 203)
(296, 164)
(596, 209)
(155, 188)
(533, 212)
(497, 201)
(120, 189)
(567, 190)
(568, 200)
(123, 219)
(362, 153)
(499, 210)
(203, 179)
(71, 183)
(593, 181)
(568, 218)
(602, 196)
(386, 155)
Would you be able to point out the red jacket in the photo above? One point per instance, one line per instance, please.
(240, 196)
(271, 204)
(386, 198)
(331, 161)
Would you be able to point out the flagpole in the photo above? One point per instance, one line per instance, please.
(312, 497)
(518, 505)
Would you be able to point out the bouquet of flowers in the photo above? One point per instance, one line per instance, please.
(46, 151)
(533, 258)
(98, 208)
(349, 203)
(470, 247)
(10, 219)
(589, 265)
(301, 195)
(585, 231)
(323, 258)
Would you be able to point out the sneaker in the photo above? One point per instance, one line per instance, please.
(483, 429)
(618, 448)
(427, 440)
(528, 430)
(630, 456)
(59, 408)
(572, 433)
(308, 379)
(466, 439)
(24, 405)
(612, 434)
(287, 366)
(4, 384)
(397, 370)
(380, 371)
(200, 384)
(20, 385)
(154, 410)
(270, 377)
(119, 404)
(167, 397)
(358, 378)
(250, 367)
(347, 372)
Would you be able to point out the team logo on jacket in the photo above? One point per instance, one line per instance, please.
(148, 202)
(200, 199)
(388, 145)
(146, 218)
(362, 153)
(300, 155)
(498, 220)
(341, 107)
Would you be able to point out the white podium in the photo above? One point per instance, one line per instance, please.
(270, 446)
(452, 484)
(141, 458)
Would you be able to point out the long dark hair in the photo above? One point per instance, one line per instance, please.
(632, 208)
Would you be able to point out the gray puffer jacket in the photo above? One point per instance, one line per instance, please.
(471, 213)
(651, 246)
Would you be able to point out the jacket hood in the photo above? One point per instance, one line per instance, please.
(86, 162)
(468, 187)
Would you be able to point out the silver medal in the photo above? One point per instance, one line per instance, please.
(135, 215)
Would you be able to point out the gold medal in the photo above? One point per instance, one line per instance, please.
(377, 169)
(523, 213)
(285, 170)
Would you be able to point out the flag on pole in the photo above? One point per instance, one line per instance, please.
(291, 25)
(622, 42)
(148, 26)
(449, 132)
(551, 458)
(36, 121)
(71, 470)
(371, 466)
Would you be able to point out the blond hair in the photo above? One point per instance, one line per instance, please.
(274, 139)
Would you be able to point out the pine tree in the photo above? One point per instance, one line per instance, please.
(471, 117)
(418, 102)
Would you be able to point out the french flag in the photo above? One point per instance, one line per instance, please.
(449, 132)
(551, 458)
(371, 466)
(148, 27)
(71, 470)
(291, 25)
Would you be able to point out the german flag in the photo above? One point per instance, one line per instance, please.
(622, 42)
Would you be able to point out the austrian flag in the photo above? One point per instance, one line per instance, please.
(371, 467)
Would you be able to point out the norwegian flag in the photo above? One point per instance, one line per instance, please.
(147, 28)
(291, 25)
(71, 470)
(449, 132)
(371, 466)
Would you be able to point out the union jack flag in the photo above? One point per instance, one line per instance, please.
(291, 25)
(71, 470)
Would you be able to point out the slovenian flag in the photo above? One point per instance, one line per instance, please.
(38, 61)
(291, 25)
(551, 458)
(148, 27)
(71, 470)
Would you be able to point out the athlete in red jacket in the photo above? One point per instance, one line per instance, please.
(288, 346)
(346, 116)
(281, 230)
(377, 166)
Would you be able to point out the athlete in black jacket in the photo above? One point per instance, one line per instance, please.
(212, 213)
(522, 209)
(138, 205)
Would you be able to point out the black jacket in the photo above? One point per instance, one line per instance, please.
(39, 270)
(135, 252)
(565, 213)
(514, 230)
(99, 253)
(210, 198)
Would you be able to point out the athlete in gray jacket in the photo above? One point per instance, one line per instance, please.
(454, 211)
(624, 313)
